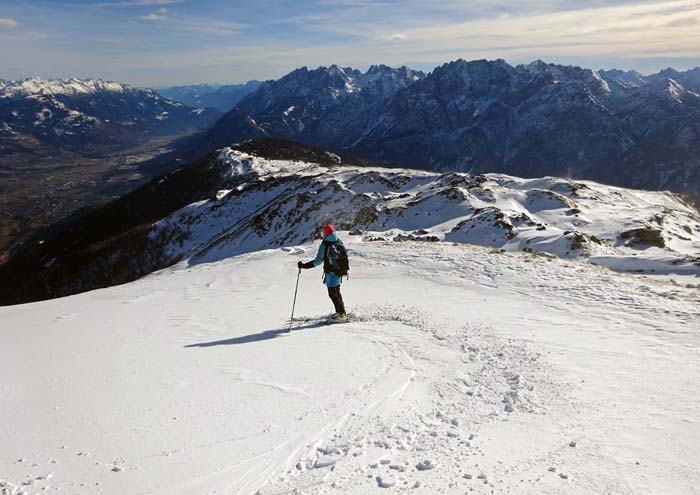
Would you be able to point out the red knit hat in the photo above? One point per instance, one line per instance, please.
(327, 230)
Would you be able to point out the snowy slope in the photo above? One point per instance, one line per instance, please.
(508, 372)
(277, 203)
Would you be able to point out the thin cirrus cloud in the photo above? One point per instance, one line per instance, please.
(666, 29)
(154, 17)
(139, 3)
(8, 23)
(192, 23)
(212, 27)
(181, 23)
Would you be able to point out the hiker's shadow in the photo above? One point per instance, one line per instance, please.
(257, 337)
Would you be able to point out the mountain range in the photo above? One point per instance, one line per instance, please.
(616, 127)
(535, 120)
(222, 97)
(87, 116)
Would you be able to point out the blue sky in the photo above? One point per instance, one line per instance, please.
(164, 42)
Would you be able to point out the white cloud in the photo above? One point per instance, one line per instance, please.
(139, 3)
(154, 17)
(395, 37)
(8, 23)
(684, 22)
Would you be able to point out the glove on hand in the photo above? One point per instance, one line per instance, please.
(300, 265)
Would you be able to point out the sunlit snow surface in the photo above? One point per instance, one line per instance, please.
(526, 373)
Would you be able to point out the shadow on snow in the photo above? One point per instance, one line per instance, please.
(258, 337)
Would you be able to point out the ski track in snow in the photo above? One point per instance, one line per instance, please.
(462, 369)
(436, 413)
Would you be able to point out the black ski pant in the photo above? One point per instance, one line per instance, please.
(337, 298)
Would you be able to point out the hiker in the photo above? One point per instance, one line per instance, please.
(333, 255)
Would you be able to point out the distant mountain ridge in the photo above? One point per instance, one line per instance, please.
(530, 120)
(690, 79)
(87, 116)
(325, 106)
(222, 97)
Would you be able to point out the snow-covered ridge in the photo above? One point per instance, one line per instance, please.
(245, 165)
(72, 86)
(276, 203)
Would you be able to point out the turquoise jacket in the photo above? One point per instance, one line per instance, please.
(330, 279)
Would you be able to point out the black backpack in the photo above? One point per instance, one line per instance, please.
(335, 259)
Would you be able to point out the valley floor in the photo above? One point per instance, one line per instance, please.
(463, 370)
(38, 191)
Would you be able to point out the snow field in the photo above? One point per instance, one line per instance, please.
(463, 369)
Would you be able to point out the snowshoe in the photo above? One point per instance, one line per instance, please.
(338, 318)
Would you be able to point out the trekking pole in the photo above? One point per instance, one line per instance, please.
(291, 318)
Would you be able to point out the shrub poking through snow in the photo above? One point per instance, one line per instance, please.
(646, 235)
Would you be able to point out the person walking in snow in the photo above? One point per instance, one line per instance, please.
(333, 255)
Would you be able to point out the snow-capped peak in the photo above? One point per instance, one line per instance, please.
(47, 87)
